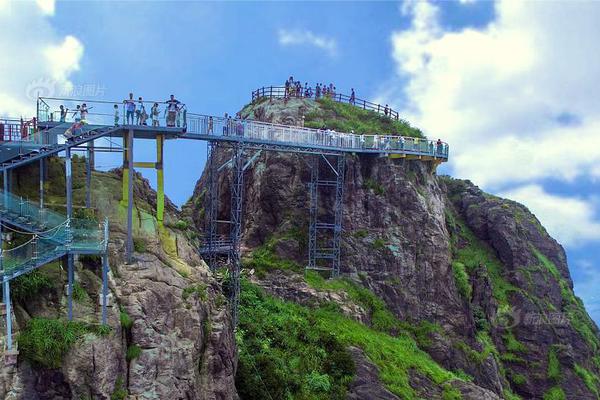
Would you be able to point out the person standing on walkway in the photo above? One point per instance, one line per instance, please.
(116, 115)
(129, 109)
(210, 125)
(171, 110)
(63, 113)
(352, 97)
(154, 113)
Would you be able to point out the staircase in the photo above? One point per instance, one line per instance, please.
(44, 143)
(53, 235)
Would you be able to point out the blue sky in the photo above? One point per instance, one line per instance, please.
(496, 79)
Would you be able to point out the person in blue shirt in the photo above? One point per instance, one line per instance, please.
(129, 109)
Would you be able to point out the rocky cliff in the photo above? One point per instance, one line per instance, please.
(170, 333)
(474, 281)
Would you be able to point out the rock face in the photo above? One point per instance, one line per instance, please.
(171, 332)
(404, 231)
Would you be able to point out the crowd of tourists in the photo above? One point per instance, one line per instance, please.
(175, 113)
(294, 88)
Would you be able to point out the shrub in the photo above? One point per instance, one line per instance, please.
(27, 286)
(44, 342)
(126, 321)
(199, 290)
(284, 353)
(139, 245)
(461, 279)
(181, 225)
(553, 365)
(378, 244)
(361, 234)
(555, 393)
(375, 186)
(119, 393)
(133, 352)
(79, 293)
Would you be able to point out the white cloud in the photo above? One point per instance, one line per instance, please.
(306, 37)
(572, 221)
(37, 59)
(515, 99)
(46, 6)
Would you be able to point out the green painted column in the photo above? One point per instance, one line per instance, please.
(160, 179)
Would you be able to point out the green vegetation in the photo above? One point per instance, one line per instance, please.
(119, 393)
(345, 118)
(360, 234)
(139, 244)
(572, 305)
(553, 371)
(29, 285)
(133, 352)
(378, 244)
(181, 225)
(199, 290)
(381, 318)
(518, 379)
(461, 279)
(263, 260)
(291, 351)
(376, 187)
(79, 293)
(126, 321)
(44, 342)
(592, 381)
(283, 353)
(512, 344)
(555, 393)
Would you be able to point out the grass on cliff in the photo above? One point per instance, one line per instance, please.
(44, 342)
(291, 351)
(345, 118)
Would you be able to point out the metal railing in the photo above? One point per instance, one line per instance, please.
(293, 135)
(16, 129)
(281, 92)
(268, 133)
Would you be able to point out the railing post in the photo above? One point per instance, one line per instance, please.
(34, 245)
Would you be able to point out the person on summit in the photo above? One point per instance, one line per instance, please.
(352, 97)
(171, 110)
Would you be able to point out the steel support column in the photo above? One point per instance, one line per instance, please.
(212, 203)
(237, 196)
(130, 177)
(312, 228)
(160, 180)
(42, 168)
(7, 304)
(105, 273)
(5, 184)
(88, 178)
(70, 279)
(325, 229)
(339, 202)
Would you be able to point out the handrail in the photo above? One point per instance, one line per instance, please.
(281, 92)
(192, 124)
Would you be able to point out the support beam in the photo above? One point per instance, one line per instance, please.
(237, 196)
(42, 176)
(5, 183)
(160, 180)
(69, 183)
(7, 303)
(212, 206)
(70, 278)
(91, 152)
(88, 178)
(130, 178)
(339, 202)
(312, 227)
(104, 286)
